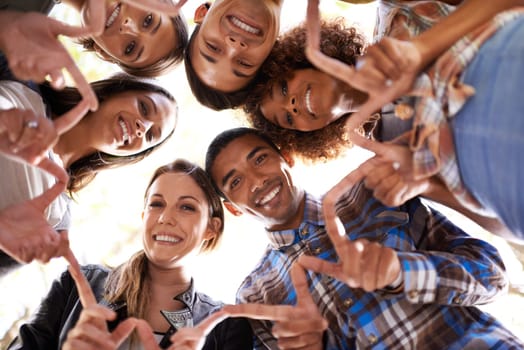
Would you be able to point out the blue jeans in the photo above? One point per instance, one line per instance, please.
(489, 130)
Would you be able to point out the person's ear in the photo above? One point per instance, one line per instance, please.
(200, 12)
(288, 158)
(102, 54)
(213, 228)
(232, 208)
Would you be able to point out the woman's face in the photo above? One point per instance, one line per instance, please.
(235, 37)
(134, 37)
(175, 220)
(309, 100)
(131, 122)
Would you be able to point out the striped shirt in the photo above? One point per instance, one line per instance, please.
(445, 271)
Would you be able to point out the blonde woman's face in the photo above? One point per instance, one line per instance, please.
(175, 220)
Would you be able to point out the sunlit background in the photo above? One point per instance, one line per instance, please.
(106, 215)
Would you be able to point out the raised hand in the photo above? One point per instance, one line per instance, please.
(296, 327)
(28, 136)
(25, 233)
(193, 338)
(167, 7)
(91, 333)
(30, 43)
(387, 70)
(362, 264)
(389, 174)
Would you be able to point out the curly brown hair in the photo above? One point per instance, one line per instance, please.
(336, 40)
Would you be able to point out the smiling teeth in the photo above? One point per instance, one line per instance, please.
(125, 132)
(244, 26)
(113, 16)
(308, 101)
(166, 238)
(269, 196)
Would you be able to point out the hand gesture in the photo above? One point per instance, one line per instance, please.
(386, 72)
(193, 338)
(167, 7)
(362, 264)
(91, 333)
(29, 136)
(25, 233)
(30, 43)
(389, 174)
(296, 327)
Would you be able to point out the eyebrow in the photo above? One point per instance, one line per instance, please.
(249, 156)
(182, 197)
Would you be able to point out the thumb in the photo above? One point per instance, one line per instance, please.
(68, 120)
(380, 149)
(60, 28)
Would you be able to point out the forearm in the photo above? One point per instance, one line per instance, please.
(448, 267)
(468, 16)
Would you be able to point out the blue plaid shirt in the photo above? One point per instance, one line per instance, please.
(445, 271)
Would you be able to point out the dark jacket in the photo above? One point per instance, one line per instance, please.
(60, 309)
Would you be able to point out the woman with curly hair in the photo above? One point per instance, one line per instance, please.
(286, 61)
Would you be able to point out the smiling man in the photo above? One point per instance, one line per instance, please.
(414, 272)
(229, 44)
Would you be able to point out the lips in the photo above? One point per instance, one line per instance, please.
(268, 196)
(113, 15)
(243, 26)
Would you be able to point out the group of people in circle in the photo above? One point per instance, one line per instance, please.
(435, 96)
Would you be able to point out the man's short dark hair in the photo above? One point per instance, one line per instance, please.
(207, 96)
(225, 138)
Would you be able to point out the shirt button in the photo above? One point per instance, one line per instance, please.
(348, 302)
(457, 300)
(372, 339)
(412, 294)
(303, 232)
(317, 250)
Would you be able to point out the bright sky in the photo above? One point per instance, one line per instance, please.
(107, 214)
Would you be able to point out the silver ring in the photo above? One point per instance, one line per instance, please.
(396, 165)
(31, 124)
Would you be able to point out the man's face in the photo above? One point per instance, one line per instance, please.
(256, 179)
(234, 39)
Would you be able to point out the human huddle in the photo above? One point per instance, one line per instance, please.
(368, 265)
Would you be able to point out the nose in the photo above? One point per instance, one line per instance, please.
(167, 217)
(128, 26)
(292, 104)
(142, 126)
(257, 183)
(235, 42)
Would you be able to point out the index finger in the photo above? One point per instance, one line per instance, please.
(88, 95)
(299, 280)
(211, 321)
(313, 25)
(85, 293)
(54, 169)
(68, 120)
(380, 149)
(260, 311)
